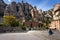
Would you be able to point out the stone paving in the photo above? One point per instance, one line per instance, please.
(31, 35)
(45, 35)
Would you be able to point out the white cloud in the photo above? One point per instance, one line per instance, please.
(9, 0)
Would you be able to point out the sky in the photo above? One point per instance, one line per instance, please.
(40, 4)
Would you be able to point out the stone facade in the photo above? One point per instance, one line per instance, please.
(56, 17)
(27, 23)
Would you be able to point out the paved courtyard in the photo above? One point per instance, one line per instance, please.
(31, 35)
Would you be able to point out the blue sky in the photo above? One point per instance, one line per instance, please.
(40, 4)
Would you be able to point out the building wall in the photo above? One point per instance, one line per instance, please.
(55, 24)
(56, 17)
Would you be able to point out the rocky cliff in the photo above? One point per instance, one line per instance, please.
(2, 7)
(21, 10)
(18, 10)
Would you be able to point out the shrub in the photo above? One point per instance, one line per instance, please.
(10, 20)
(22, 27)
(1, 24)
(14, 23)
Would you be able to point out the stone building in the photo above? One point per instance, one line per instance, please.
(56, 17)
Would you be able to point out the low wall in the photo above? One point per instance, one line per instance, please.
(10, 29)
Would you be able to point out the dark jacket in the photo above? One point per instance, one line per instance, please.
(50, 32)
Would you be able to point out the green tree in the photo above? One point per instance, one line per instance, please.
(49, 19)
(10, 20)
